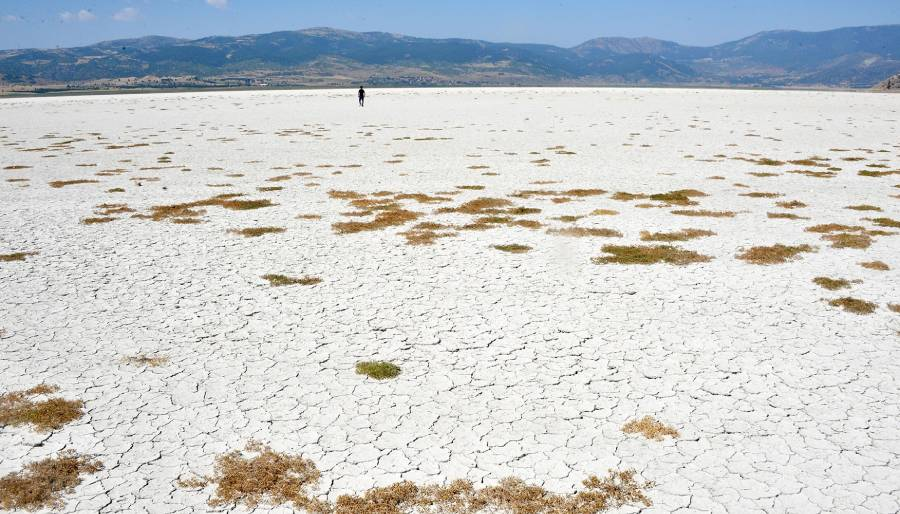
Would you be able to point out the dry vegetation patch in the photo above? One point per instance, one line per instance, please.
(20, 408)
(16, 256)
(585, 232)
(193, 210)
(762, 195)
(885, 222)
(785, 216)
(650, 428)
(42, 484)
(481, 206)
(151, 361)
(97, 220)
(863, 207)
(680, 197)
(512, 248)
(854, 305)
(384, 219)
(262, 476)
(814, 174)
(649, 255)
(894, 307)
(257, 231)
(832, 284)
(827, 228)
(705, 214)
(680, 235)
(875, 265)
(844, 240)
(284, 280)
(57, 184)
(793, 204)
(776, 254)
(510, 496)
(267, 477)
(872, 173)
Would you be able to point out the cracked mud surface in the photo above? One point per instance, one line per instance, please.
(523, 365)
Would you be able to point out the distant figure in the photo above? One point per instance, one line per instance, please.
(362, 97)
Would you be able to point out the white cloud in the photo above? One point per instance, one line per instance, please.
(82, 15)
(218, 4)
(10, 18)
(126, 14)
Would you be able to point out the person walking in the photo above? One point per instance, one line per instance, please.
(362, 96)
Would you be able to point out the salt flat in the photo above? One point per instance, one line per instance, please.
(513, 364)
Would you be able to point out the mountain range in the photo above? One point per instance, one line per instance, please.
(853, 57)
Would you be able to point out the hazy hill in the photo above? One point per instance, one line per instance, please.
(848, 57)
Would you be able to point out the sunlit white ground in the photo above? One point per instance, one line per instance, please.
(519, 365)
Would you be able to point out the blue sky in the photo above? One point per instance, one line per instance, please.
(50, 23)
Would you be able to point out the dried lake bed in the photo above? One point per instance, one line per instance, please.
(544, 269)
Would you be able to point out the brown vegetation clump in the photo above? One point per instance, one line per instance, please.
(827, 228)
(680, 197)
(272, 478)
(885, 222)
(283, 280)
(42, 484)
(776, 254)
(894, 307)
(875, 265)
(649, 255)
(425, 236)
(863, 207)
(832, 284)
(19, 408)
(470, 188)
(705, 214)
(16, 256)
(793, 204)
(57, 184)
(269, 478)
(872, 173)
(257, 231)
(650, 428)
(512, 248)
(421, 198)
(384, 219)
(844, 240)
(146, 360)
(98, 220)
(681, 235)
(192, 210)
(785, 216)
(585, 232)
(604, 212)
(814, 174)
(482, 206)
(854, 305)
(762, 195)
(510, 496)
(344, 195)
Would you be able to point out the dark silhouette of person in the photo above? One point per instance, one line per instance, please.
(362, 96)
